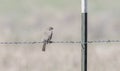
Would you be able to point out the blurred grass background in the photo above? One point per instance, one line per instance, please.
(27, 20)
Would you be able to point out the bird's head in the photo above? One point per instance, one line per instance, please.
(50, 28)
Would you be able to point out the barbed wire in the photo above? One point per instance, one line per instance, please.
(39, 42)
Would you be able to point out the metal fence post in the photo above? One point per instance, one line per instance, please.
(84, 35)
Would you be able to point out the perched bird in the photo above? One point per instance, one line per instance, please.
(48, 36)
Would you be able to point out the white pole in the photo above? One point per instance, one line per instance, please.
(84, 35)
(84, 6)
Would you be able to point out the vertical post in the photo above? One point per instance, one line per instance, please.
(84, 35)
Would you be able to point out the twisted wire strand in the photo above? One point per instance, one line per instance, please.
(80, 42)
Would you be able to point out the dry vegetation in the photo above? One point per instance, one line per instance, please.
(28, 20)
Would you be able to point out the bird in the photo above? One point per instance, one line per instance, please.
(48, 37)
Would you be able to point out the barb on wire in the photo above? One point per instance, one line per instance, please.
(72, 42)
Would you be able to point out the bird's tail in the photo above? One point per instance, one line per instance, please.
(44, 47)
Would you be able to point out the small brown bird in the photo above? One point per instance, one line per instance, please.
(48, 37)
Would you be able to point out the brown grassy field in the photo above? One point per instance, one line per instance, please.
(28, 20)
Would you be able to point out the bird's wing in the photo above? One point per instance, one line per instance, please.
(50, 37)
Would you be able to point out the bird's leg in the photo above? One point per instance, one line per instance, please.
(50, 41)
